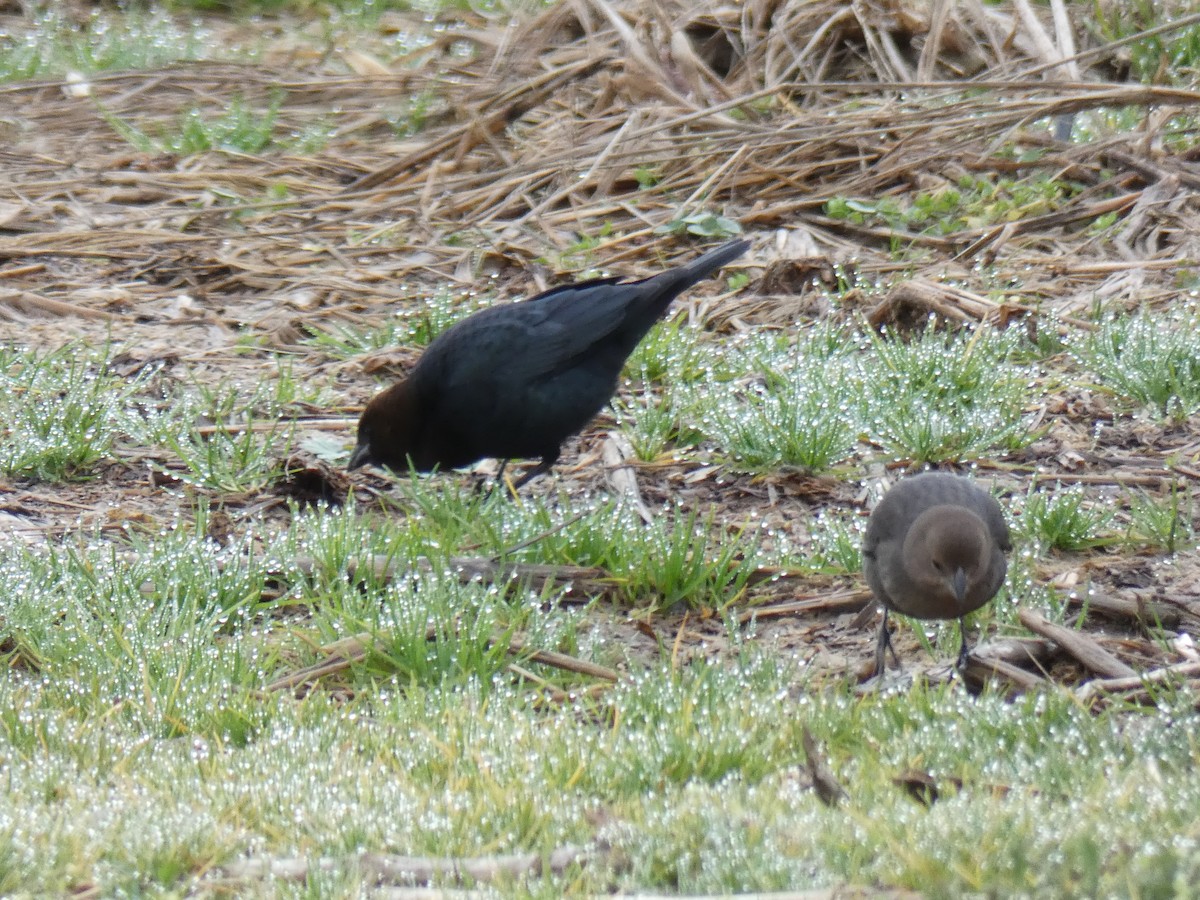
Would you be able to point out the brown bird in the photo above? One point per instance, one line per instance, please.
(934, 549)
(515, 381)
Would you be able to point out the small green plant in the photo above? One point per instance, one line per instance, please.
(702, 224)
(848, 279)
(438, 631)
(923, 432)
(646, 177)
(1163, 523)
(736, 282)
(580, 256)
(1063, 518)
(986, 201)
(1045, 339)
(232, 458)
(1103, 223)
(673, 353)
(239, 128)
(54, 42)
(422, 107)
(250, 7)
(793, 406)
(61, 412)
(836, 543)
(1147, 360)
(861, 212)
(415, 324)
(1171, 57)
(347, 341)
(939, 397)
(682, 558)
(975, 202)
(652, 421)
(230, 439)
(808, 424)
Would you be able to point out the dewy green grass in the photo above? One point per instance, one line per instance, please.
(1063, 518)
(229, 438)
(56, 43)
(438, 752)
(416, 326)
(793, 406)
(141, 751)
(239, 128)
(61, 412)
(939, 398)
(1162, 523)
(1147, 361)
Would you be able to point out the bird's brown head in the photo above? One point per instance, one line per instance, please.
(389, 429)
(948, 554)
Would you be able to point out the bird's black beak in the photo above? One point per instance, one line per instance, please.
(958, 581)
(361, 455)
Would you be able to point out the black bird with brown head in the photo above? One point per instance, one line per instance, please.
(515, 381)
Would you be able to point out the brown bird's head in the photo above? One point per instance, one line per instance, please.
(389, 430)
(947, 553)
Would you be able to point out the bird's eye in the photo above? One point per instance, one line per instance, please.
(937, 564)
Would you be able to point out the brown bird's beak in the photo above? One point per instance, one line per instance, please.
(361, 455)
(958, 581)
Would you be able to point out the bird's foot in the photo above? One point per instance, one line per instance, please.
(964, 651)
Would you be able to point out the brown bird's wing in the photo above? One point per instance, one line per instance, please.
(881, 549)
(993, 517)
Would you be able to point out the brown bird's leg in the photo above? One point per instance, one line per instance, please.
(882, 645)
(540, 469)
(963, 650)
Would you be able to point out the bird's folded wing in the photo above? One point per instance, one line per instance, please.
(548, 335)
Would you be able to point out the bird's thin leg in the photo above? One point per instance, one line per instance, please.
(963, 650)
(540, 469)
(882, 645)
(499, 479)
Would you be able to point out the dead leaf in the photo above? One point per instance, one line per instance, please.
(828, 790)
